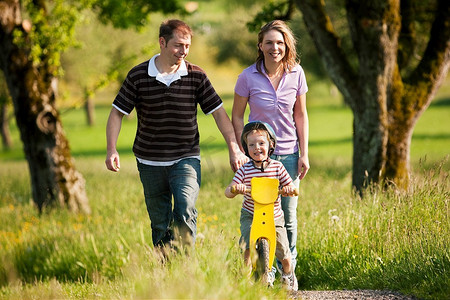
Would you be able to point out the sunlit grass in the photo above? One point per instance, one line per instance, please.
(388, 240)
(385, 241)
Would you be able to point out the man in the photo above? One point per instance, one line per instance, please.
(165, 92)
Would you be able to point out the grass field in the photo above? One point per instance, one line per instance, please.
(389, 241)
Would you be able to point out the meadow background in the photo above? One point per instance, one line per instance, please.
(386, 241)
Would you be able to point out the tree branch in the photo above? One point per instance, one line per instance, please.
(328, 44)
(352, 25)
(10, 19)
(272, 11)
(433, 67)
(407, 37)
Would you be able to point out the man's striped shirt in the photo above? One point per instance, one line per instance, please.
(167, 115)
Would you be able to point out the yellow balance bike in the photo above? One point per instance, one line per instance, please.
(263, 238)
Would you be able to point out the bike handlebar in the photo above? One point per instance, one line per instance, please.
(249, 190)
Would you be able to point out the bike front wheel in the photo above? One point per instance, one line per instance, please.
(263, 267)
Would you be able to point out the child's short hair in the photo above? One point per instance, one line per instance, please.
(260, 130)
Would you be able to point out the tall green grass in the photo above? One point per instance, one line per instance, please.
(388, 240)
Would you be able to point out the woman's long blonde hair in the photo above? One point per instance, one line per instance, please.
(290, 58)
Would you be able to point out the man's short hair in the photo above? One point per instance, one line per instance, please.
(169, 26)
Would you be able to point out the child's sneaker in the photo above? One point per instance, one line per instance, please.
(289, 282)
(270, 279)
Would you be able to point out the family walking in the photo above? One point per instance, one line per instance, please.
(165, 92)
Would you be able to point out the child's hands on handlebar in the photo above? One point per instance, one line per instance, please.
(233, 189)
(238, 189)
(289, 190)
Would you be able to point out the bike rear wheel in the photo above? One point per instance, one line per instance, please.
(263, 266)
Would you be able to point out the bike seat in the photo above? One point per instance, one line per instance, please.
(264, 189)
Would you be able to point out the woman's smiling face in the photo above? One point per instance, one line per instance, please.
(273, 46)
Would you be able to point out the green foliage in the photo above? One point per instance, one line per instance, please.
(102, 58)
(115, 73)
(52, 24)
(272, 10)
(51, 31)
(126, 14)
(230, 45)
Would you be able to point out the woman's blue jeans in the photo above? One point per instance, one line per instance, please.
(180, 181)
(289, 204)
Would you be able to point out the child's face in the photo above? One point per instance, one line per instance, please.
(258, 145)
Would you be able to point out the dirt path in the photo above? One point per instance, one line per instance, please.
(352, 294)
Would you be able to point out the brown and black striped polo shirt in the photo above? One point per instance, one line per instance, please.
(167, 115)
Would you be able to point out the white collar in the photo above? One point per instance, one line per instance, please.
(154, 72)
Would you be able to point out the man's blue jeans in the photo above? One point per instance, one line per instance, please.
(182, 181)
(289, 204)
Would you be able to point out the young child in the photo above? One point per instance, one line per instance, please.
(259, 141)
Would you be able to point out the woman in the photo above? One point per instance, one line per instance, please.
(275, 89)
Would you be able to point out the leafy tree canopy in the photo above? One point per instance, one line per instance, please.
(49, 26)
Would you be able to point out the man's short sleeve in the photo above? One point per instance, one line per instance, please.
(207, 97)
(126, 97)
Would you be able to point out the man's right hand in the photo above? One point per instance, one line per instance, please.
(112, 161)
(112, 133)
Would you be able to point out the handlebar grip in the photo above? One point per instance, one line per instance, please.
(233, 189)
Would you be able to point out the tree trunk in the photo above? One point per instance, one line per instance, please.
(90, 111)
(398, 149)
(401, 124)
(411, 95)
(4, 124)
(54, 180)
(375, 28)
(368, 149)
(385, 104)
